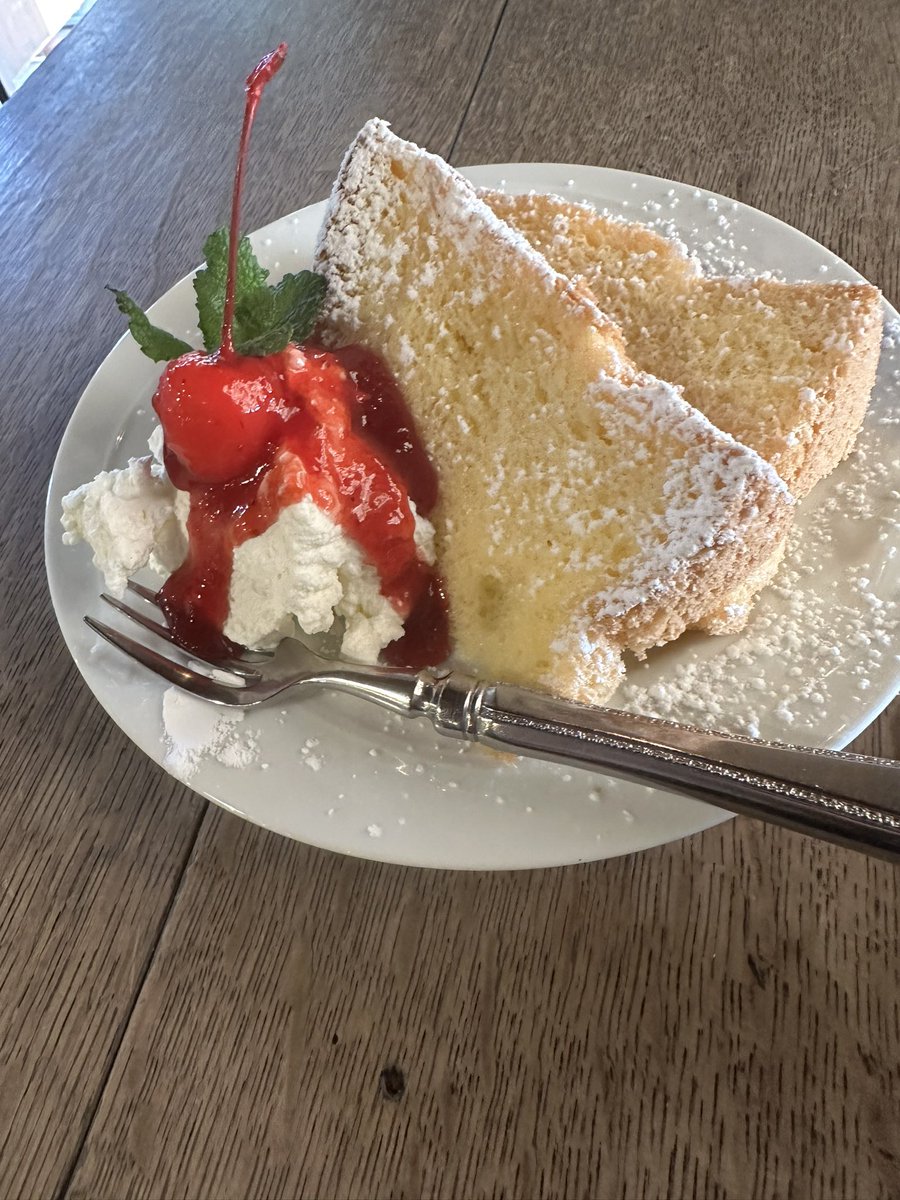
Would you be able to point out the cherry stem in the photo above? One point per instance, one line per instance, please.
(261, 74)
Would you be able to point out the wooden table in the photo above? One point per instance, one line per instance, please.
(192, 1007)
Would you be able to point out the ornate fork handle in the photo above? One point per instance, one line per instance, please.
(845, 798)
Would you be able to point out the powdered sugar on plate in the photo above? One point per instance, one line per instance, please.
(196, 730)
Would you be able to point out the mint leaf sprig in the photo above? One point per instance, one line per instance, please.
(266, 317)
(156, 343)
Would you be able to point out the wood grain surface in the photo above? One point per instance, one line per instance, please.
(193, 1008)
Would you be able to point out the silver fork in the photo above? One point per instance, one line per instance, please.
(845, 798)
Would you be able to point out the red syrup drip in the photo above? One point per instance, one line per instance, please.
(246, 437)
(381, 417)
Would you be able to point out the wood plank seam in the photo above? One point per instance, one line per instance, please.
(478, 77)
(119, 1036)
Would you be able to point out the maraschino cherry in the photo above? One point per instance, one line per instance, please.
(220, 411)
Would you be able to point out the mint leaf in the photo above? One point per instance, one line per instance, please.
(254, 315)
(297, 301)
(270, 317)
(265, 318)
(271, 341)
(209, 285)
(156, 343)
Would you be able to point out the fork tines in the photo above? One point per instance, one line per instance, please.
(227, 681)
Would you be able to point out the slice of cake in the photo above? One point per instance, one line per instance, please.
(586, 509)
(787, 368)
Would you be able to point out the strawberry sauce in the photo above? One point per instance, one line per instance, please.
(248, 436)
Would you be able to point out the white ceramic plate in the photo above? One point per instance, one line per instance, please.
(817, 664)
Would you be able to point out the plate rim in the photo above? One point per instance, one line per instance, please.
(706, 819)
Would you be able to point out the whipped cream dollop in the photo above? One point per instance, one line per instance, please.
(302, 569)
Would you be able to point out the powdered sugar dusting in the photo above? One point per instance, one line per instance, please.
(807, 650)
(694, 520)
(745, 348)
(357, 247)
(196, 731)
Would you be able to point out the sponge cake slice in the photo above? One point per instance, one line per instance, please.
(586, 509)
(787, 368)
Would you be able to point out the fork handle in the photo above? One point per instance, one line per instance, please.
(849, 799)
